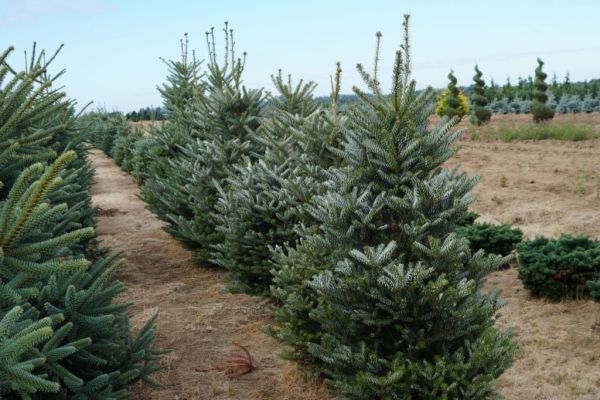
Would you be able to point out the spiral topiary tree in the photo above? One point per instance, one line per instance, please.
(480, 114)
(539, 109)
(453, 102)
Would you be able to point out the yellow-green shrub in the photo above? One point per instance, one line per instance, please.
(442, 107)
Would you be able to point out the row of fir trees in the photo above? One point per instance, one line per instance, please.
(63, 332)
(345, 219)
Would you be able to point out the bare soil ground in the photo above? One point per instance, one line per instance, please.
(196, 320)
(551, 188)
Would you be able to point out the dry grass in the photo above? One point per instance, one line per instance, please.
(560, 344)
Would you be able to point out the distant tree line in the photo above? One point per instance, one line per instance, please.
(147, 114)
(564, 96)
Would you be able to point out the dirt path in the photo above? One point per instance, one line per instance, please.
(196, 320)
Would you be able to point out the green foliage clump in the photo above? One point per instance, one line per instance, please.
(218, 134)
(491, 238)
(265, 200)
(106, 129)
(163, 184)
(538, 107)
(453, 102)
(146, 114)
(119, 139)
(62, 334)
(469, 219)
(141, 157)
(123, 148)
(381, 291)
(481, 114)
(559, 268)
(594, 288)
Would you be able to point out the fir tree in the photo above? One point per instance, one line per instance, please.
(594, 89)
(541, 112)
(555, 87)
(390, 298)
(566, 86)
(481, 114)
(163, 184)
(507, 90)
(224, 134)
(184, 86)
(492, 92)
(265, 200)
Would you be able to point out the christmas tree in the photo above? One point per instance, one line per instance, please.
(383, 293)
(224, 135)
(163, 183)
(265, 200)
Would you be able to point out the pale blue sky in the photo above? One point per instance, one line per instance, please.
(112, 48)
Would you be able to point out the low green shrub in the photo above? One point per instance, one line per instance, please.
(494, 239)
(469, 218)
(124, 147)
(560, 268)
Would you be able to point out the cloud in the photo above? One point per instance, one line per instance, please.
(25, 10)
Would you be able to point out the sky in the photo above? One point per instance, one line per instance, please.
(113, 48)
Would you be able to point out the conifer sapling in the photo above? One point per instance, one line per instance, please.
(389, 300)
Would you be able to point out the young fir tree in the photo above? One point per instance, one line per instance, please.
(453, 102)
(226, 123)
(480, 114)
(538, 107)
(393, 308)
(184, 87)
(266, 199)
(62, 334)
(163, 184)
